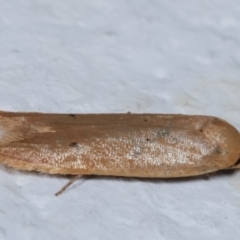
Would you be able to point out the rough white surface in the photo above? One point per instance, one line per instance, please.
(118, 56)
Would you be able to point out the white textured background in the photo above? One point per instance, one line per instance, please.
(117, 56)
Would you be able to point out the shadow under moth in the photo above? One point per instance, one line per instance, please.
(128, 145)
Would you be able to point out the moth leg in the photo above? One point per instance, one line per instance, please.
(67, 185)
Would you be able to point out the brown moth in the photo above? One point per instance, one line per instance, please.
(129, 145)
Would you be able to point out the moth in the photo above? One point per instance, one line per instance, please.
(128, 145)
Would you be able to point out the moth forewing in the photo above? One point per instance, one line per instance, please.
(130, 145)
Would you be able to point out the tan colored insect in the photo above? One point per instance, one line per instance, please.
(129, 145)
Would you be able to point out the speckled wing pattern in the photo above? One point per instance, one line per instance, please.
(131, 145)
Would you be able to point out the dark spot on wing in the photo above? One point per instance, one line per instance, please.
(218, 150)
(221, 151)
(72, 115)
(73, 144)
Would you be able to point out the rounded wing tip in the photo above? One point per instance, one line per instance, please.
(227, 139)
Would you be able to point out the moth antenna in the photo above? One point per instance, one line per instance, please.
(67, 185)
